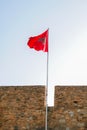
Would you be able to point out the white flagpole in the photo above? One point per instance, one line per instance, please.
(46, 96)
(46, 89)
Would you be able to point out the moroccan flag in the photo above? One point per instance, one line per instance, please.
(39, 42)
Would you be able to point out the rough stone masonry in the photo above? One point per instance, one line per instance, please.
(22, 108)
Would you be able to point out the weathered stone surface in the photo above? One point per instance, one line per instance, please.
(22, 108)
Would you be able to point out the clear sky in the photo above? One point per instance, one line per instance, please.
(67, 23)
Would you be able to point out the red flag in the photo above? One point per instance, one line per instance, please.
(39, 42)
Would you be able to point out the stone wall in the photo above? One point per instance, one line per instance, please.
(22, 108)
(70, 110)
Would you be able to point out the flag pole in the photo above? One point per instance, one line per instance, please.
(46, 90)
(40, 42)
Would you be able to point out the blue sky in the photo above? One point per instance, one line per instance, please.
(67, 23)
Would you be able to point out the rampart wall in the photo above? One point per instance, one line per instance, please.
(22, 108)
